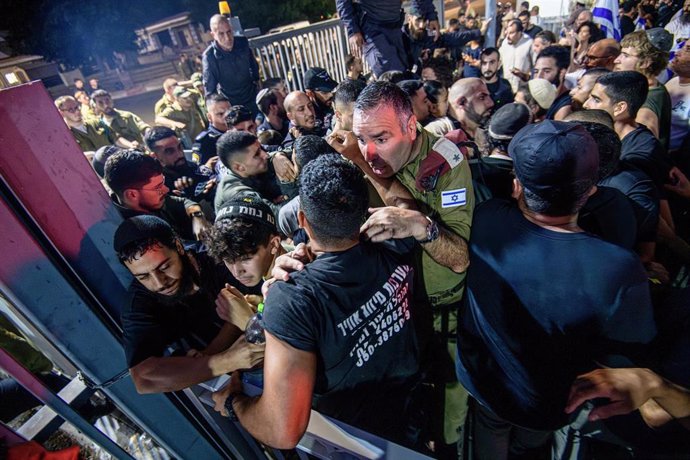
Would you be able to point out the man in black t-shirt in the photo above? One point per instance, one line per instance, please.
(530, 29)
(172, 336)
(552, 65)
(608, 212)
(545, 299)
(339, 334)
(622, 94)
(499, 87)
(625, 178)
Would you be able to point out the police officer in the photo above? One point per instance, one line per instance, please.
(374, 29)
(204, 148)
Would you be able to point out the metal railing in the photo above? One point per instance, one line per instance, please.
(289, 54)
(553, 23)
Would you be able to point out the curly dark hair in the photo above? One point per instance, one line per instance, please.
(609, 147)
(232, 239)
(443, 68)
(308, 147)
(237, 114)
(334, 198)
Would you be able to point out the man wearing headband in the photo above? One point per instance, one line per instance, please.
(173, 337)
(245, 238)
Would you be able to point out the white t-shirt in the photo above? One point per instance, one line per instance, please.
(519, 56)
(678, 28)
(680, 112)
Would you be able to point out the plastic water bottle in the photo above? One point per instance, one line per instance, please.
(254, 332)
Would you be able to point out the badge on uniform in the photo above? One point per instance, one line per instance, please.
(452, 198)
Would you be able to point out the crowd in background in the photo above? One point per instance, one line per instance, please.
(468, 243)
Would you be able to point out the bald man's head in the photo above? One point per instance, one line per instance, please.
(602, 54)
(584, 16)
(470, 103)
(221, 31)
(215, 19)
(463, 88)
(300, 110)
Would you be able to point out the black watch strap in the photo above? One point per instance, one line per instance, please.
(228, 407)
(432, 231)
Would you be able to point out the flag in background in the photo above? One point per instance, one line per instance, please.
(605, 14)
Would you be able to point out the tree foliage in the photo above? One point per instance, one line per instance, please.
(75, 31)
(267, 14)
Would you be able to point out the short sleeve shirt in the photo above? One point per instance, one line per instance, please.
(643, 194)
(659, 102)
(353, 309)
(643, 150)
(541, 308)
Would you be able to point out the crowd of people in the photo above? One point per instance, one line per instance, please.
(469, 243)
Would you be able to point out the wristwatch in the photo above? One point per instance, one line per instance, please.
(431, 231)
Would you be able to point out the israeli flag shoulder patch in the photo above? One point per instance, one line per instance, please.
(453, 198)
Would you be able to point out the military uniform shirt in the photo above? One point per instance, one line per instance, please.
(450, 202)
(162, 104)
(194, 124)
(128, 125)
(95, 137)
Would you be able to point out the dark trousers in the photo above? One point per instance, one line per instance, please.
(496, 439)
(383, 49)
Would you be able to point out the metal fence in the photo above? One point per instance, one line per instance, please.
(553, 23)
(289, 54)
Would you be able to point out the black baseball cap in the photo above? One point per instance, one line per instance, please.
(317, 79)
(552, 155)
(140, 228)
